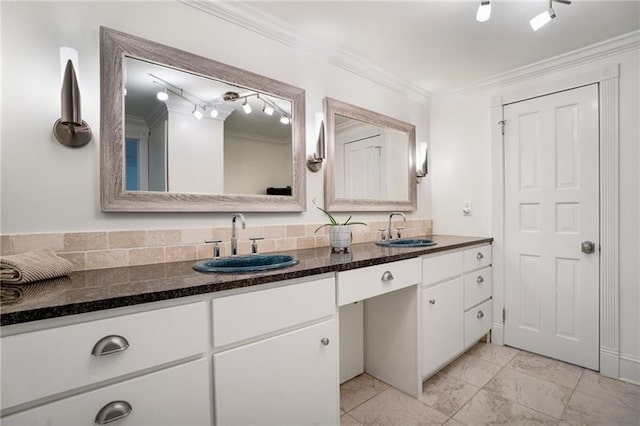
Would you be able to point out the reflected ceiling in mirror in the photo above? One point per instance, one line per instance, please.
(371, 160)
(181, 132)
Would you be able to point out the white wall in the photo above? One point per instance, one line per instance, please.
(47, 187)
(461, 170)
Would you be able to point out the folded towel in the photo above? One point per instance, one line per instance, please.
(33, 266)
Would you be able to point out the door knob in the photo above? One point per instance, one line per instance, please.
(588, 247)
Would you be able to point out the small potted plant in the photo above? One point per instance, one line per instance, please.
(339, 233)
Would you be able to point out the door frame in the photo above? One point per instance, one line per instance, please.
(607, 78)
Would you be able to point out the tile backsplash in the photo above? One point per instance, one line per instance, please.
(110, 249)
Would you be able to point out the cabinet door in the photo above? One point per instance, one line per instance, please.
(175, 396)
(442, 324)
(290, 379)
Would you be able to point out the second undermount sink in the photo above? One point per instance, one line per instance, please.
(407, 242)
(245, 264)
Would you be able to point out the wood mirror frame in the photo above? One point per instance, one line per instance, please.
(332, 203)
(114, 47)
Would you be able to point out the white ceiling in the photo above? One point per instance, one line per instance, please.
(438, 45)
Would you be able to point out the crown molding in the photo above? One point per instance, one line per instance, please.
(585, 55)
(254, 20)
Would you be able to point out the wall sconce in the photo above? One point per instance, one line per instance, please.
(314, 162)
(422, 163)
(71, 130)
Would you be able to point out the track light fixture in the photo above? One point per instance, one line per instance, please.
(162, 95)
(246, 107)
(285, 119)
(213, 113)
(268, 109)
(196, 112)
(484, 11)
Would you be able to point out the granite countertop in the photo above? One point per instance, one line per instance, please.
(102, 289)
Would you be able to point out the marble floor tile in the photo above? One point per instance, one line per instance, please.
(453, 422)
(472, 370)
(496, 354)
(544, 368)
(486, 408)
(585, 410)
(540, 395)
(610, 390)
(446, 393)
(347, 420)
(394, 408)
(358, 390)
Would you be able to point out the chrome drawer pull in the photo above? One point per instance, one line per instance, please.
(479, 256)
(113, 411)
(387, 276)
(480, 314)
(324, 341)
(480, 280)
(109, 345)
(432, 301)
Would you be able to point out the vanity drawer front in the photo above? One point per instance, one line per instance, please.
(243, 316)
(477, 287)
(175, 396)
(441, 267)
(477, 322)
(41, 363)
(363, 283)
(477, 257)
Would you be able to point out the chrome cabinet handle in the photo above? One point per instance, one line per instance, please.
(387, 276)
(324, 341)
(480, 314)
(432, 301)
(109, 345)
(480, 280)
(479, 256)
(113, 411)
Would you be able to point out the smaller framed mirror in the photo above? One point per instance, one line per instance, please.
(370, 160)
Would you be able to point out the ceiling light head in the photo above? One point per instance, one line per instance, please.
(162, 95)
(484, 11)
(268, 109)
(196, 112)
(542, 19)
(213, 113)
(285, 120)
(246, 107)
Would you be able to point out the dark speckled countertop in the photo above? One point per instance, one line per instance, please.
(101, 289)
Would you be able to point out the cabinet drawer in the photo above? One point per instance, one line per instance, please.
(438, 268)
(477, 287)
(248, 315)
(363, 283)
(477, 257)
(42, 363)
(176, 396)
(477, 322)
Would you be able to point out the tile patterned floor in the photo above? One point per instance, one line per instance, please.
(495, 385)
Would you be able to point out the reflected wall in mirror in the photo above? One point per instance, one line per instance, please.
(371, 164)
(197, 135)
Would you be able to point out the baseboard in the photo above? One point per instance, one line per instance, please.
(630, 368)
(609, 363)
(497, 334)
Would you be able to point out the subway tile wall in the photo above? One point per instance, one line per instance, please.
(110, 249)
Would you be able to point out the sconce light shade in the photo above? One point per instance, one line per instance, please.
(314, 162)
(422, 161)
(71, 130)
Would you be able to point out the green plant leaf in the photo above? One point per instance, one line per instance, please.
(331, 218)
(347, 222)
(322, 226)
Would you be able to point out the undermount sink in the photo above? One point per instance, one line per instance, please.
(407, 242)
(244, 264)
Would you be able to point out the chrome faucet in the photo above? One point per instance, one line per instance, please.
(404, 218)
(234, 239)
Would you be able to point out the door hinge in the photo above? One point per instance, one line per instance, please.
(502, 124)
(504, 315)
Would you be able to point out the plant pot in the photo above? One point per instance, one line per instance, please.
(340, 237)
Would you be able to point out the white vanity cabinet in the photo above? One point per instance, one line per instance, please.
(455, 304)
(276, 356)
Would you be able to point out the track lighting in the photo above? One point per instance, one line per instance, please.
(196, 112)
(246, 107)
(213, 113)
(545, 17)
(484, 11)
(162, 95)
(268, 109)
(285, 120)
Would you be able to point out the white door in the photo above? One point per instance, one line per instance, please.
(365, 168)
(551, 207)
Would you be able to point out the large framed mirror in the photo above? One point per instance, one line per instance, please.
(181, 132)
(370, 160)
